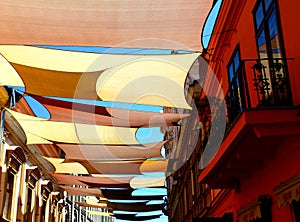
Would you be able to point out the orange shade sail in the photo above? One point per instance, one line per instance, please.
(171, 24)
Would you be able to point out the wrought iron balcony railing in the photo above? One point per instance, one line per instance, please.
(259, 83)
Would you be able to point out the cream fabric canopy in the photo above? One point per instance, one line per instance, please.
(174, 24)
(151, 80)
(41, 131)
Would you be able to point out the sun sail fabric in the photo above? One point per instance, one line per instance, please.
(98, 152)
(143, 79)
(65, 111)
(46, 130)
(171, 24)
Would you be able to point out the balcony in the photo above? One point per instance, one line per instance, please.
(259, 83)
(260, 118)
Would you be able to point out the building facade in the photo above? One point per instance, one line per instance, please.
(254, 174)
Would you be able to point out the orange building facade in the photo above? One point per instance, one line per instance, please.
(254, 174)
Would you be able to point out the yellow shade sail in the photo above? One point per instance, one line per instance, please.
(143, 79)
(154, 81)
(153, 166)
(72, 167)
(8, 75)
(3, 96)
(147, 182)
(99, 213)
(35, 127)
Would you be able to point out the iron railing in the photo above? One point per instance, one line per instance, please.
(259, 83)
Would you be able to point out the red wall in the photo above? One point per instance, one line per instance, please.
(286, 164)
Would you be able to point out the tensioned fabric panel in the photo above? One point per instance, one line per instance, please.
(76, 191)
(70, 167)
(146, 182)
(113, 167)
(64, 111)
(150, 166)
(11, 77)
(85, 204)
(105, 152)
(145, 79)
(105, 23)
(99, 181)
(92, 167)
(35, 127)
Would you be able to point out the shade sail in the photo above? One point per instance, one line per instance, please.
(63, 111)
(147, 81)
(35, 127)
(100, 181)
(9, 76)
(4, 97)
(152, 79)
(131, 217)
(76, 191)
(125, 194)
(98, 205)
(72, 167)
(145, 182)
(135, 207)
(105, 23)
(105, 152)
(150, 166)
(66, 179)
(99, 213)
(110, 167)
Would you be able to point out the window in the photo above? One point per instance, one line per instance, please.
(274, 77)
(234, 96)
(9, 195)
(28, 206)
(268, 37)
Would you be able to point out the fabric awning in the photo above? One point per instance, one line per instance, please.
(93, 181)
(288, 191)
(76, 191)
(99, 213)
(106, 152)
(11, 77)
(4, 96)
(98, 205)
(143, 24)
(63, 111)
(145, 182)
(150, 166)
(70, 167)
(152, 79)
(41, 131)
(113, 167)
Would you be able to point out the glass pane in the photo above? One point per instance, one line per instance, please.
(274, 35)
(262, 47)
(259, 15)
(236, 61)
(231, 72)
(268, 3)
